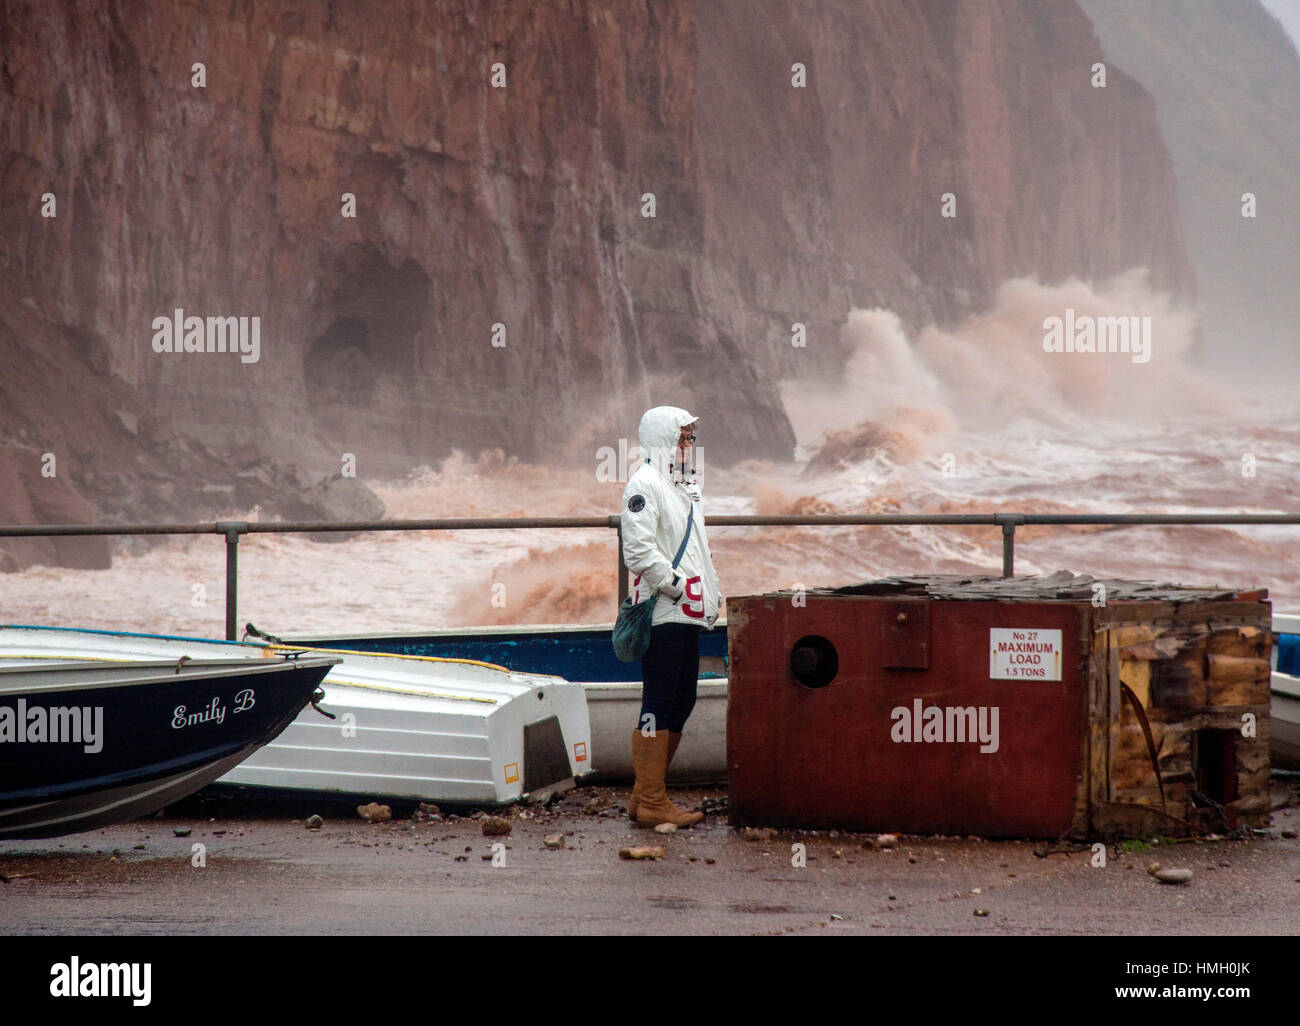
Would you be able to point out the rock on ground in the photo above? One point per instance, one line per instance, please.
(642, 852)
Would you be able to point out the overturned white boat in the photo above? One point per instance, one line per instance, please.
(426, 728)
(583, 654)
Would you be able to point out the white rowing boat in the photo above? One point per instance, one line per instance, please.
(584, 655)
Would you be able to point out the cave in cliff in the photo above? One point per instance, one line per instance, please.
(374, 314)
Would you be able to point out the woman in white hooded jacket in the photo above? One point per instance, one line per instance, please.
(661, 501)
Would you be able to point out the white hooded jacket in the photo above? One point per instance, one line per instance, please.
(656, 504)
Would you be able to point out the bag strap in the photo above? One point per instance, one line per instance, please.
(690, 522)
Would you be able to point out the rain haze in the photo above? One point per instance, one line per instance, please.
(853, 298)
(320, 324)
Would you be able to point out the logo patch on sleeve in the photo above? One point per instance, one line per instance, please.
(636, 504)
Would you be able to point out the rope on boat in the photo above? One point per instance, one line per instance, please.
(317, 697)
(249, 628)
(418, 692)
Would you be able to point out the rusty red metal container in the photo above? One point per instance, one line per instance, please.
(976, 706)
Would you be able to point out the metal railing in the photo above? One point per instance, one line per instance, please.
(232, 530)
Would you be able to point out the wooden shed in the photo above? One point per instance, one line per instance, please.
(1033, 707)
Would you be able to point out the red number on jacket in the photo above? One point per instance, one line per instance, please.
(694, 592)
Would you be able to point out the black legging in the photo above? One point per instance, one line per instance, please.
(670, 671)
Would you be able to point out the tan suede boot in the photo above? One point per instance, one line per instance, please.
(650, 757)
(674, 739)
(634, 802)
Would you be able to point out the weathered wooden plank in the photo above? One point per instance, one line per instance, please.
(1237, 680)
(1227, 611)
(1253, 764)
(1099, 719)
(1114, 708)
(1136, 673)
(1255, 806)
(1179, 682)
(1228, 670)
(1245, 642)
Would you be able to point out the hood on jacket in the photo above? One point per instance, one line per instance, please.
(658, 433)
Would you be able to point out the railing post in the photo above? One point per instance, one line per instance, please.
(1009, 522)
(617, 522)
(232, 529)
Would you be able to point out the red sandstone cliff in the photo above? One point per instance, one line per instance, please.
(522, 206)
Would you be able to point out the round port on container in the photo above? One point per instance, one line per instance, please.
(814, 661)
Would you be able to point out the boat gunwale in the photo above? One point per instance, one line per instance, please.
(165, 672)
(50, 662)
(482, 630)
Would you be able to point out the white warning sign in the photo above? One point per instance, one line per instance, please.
(1029, 653)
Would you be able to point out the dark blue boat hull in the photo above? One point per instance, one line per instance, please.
(579, 655)
(156, 743)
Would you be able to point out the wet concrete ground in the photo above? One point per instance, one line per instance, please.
(266, 873)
